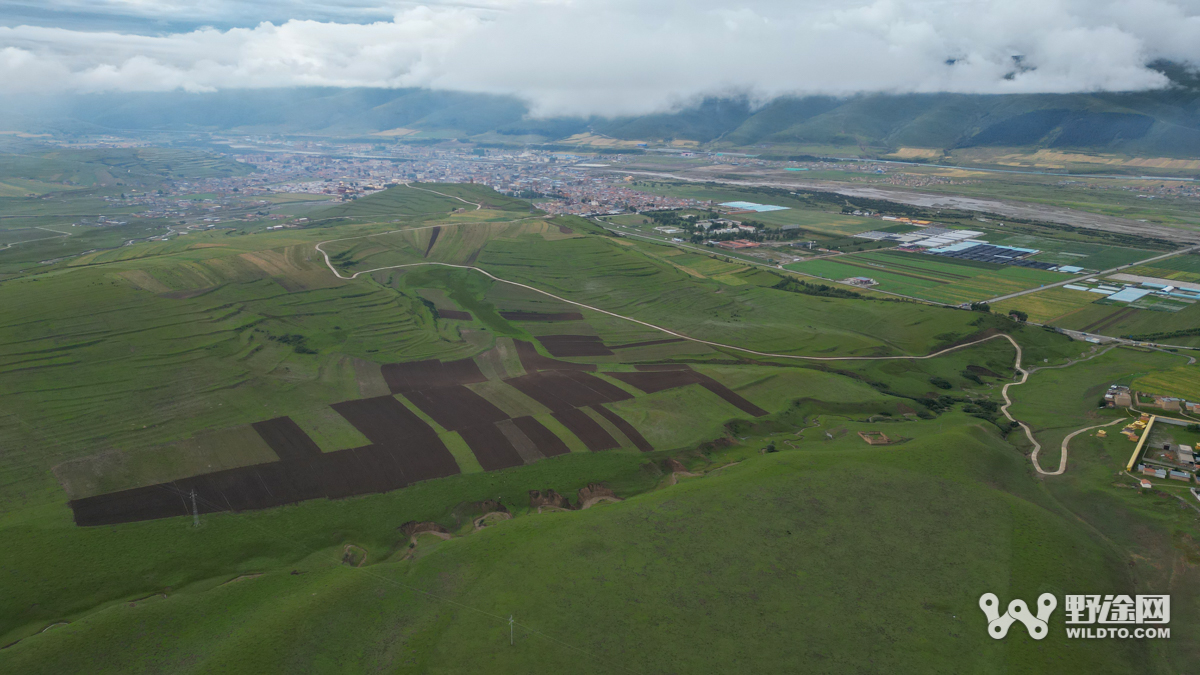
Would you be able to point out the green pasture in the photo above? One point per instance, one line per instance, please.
(1090, 256)
(747, 557)
(1120, 319)
(138, 364)
(929, 277)
(1183, 268)
(1049, 305)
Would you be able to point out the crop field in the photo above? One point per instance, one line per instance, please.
(317, 419)
(1049, 305)
(1120, 320)
(1180, 381)
(1080, 254)
(928, 277)
(1183, 268)
(809, 219)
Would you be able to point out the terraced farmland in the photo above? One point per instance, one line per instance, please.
(387, 467)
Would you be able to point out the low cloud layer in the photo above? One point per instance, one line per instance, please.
(613, 57)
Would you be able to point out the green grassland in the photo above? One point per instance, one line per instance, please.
(927, 277)
(415, 200)
(1180, 381)
(1120, 320)
(1080, 254)
(1050, 305)
(113, 166)
(139, 364)
(1184, 268)
(30, 253)
(703, 576)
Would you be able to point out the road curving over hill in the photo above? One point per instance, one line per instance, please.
(905, 357)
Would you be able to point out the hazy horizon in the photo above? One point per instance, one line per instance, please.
(592, 58)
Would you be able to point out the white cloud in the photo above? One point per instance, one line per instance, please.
(625, 57)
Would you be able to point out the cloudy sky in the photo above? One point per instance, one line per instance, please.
(596, 56)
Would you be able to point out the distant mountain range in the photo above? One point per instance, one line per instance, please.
(1162, 123)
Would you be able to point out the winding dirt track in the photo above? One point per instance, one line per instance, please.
(477, 206)
(1037, 447)
(1004, 392)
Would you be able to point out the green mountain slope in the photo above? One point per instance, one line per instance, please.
(1158, 123)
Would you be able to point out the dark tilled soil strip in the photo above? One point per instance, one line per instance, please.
(592, 434)
(567, 389)
(455, 314)
(541, 316)
(625, 427)
(413, 375)
(383, 420)
(651, 381)
(456, 407)
(648, 343)
(395, 429)
(732, 396)
(437, 229)
(610, 393)
(287, 439)
(533, 361)
(569, 349)
(404, 449)
(1111, 319)
(402, 377)
(568, 338)
(541, 388)
(574, 345)
(546, 441)
(491, 447)
(374, 468)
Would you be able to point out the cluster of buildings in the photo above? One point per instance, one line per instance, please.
(1120, 396)
(724, 226)
(1158, 455)
(1167, 189)
(1132, 288)
(960, 244)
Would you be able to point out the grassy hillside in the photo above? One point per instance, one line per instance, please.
(775, 564)
(796, 546)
